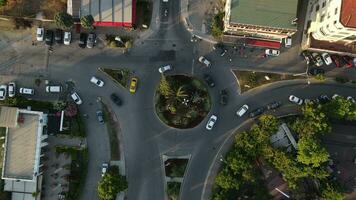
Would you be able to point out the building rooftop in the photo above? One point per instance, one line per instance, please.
(339, 46)
(8, 116)
(348, 13)
(23, 146)
(269, 13)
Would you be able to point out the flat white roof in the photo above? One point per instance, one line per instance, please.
(23, 145)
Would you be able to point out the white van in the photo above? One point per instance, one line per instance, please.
(288, 42)
(54, 89)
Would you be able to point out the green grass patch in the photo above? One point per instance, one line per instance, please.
(173, 189)
(175, 167)
(76, 126)
(112, 128)
(121, 76)
(249, 80)
(341, 79)
(143, 13)
(78, 170)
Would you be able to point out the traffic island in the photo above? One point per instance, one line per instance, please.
(119, 76)
(181, 101)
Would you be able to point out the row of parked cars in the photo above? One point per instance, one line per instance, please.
(64, 37)
(10, 90)
(324, 58)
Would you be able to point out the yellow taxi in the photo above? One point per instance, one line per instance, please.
(133, 84)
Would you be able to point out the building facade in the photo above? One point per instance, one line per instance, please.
(333, 20)
(261, 19)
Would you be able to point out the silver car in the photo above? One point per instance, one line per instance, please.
(91, 40)
(211, 122)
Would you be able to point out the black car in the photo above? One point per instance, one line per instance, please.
(100, 116)
(316, 71)
(58, 35)
(323, 98)
(82, 40)
(274, 105)
(308, 58)
(256, 112)
(209, 80)
(114, 98)
(223, 97)
(49, 37)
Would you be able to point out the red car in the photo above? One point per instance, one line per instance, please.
(348, 61)
(336, 60)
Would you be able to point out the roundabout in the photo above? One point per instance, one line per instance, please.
(181, 101)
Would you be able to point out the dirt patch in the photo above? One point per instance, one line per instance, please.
(249, 79)
(29, 8)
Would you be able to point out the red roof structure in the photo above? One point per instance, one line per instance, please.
(348, 13)
(263, 43)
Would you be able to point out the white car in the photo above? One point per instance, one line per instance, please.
(29, 91)
(327, 59)
(295, 99)
(204, 61)
(40, 34)
(211, 122)
(12, 89)
(104, 169)
(164, 69)
(242, 110)
(350, 98)
(335, 96)
(288, 42)
(97, 81)
(76, 98)
(67, 38)
(272, 52)
(3, 92)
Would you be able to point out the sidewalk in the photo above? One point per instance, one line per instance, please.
(192, 22)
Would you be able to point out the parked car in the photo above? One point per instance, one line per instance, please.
(76, 98)
(240, 112)
(204, 61)
(223, 97)
(327, 59)
(318, 59)
(58, 36)
(335, 96)
(209, 80)
(67, 38)
(114, 98)
(314, 101)
(195, 38)
(348, 61)
(91, 40)
(133, 84)
(288, 42)
(336, 60)
(350, 98)
(49, 37)
(29, 91)
(104, 169)
(274, 105)
(164, 69)
(295, 99)
(53, 88)
(211, 122)
(40, 34)
(308, 58)
(12, 89)
(3, 92)
(257, 112)
(316, 71)
(323, 98)
(82, 40)
(100, 116)
(97, 81)
(272, 52)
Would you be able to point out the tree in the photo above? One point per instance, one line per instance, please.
(87, 21)
(311, 152)
(63, 20)
(227, 180)
(269, 124)
(3, 2)
(330, 191)
(218, 25)
(341, 108)
(164, 87)
(111, 184)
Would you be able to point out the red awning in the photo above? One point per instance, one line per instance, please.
(263, 43)
(122, 24)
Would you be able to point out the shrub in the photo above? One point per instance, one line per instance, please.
(320, 77)
(341, 79)
(3, 2)
(218, 25)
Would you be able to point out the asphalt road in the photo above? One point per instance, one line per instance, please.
(145, 138)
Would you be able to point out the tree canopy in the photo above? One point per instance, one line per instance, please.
(311, 152)
(63, 20)
(111, 184)
(87, 21)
